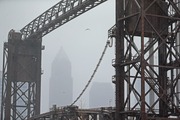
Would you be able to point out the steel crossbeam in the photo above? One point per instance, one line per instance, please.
(73, 112)
(56, 16)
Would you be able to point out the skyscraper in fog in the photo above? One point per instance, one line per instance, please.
(61, 83)
(101, 95)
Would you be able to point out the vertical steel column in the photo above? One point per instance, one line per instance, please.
(119, 60)
(142, 63)
(8, 85)
(148, 61)
(177, 94)
(4, 80)
(162, 80)
(21, 78)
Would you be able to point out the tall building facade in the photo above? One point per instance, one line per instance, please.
(101, 94)
(61, 82)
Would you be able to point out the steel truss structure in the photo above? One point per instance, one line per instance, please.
(73, 113)
(147, 59)
(21, 78)
(22, 58)
(56, 16)
(147, 62)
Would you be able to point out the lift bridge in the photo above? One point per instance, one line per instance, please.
(147, 63)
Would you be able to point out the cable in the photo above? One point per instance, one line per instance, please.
(92, 76)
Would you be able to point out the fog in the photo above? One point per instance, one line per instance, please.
(82, 46)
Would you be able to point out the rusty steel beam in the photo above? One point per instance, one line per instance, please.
(22, 68)
(142, 62)
(73, 112)
(140, 26)
(56, 16)
(119, 69)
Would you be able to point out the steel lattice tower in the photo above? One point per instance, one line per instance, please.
(147, 59)
(22, 58)
(21, 78)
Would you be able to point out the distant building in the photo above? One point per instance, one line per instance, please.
(61, 83)
(101, 95)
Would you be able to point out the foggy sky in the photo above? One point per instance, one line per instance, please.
(82, 46)
(97, 98)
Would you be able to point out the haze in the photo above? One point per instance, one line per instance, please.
(83, 39)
